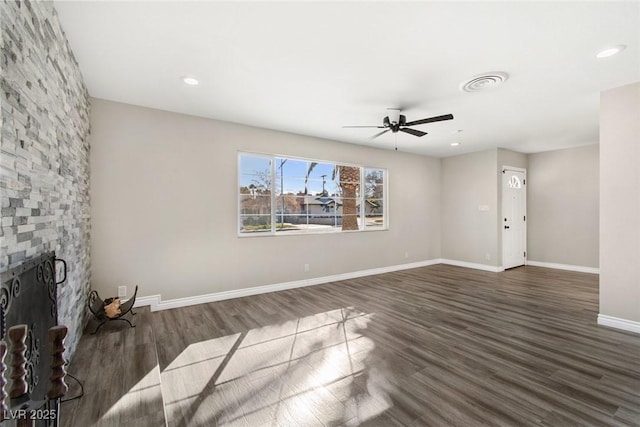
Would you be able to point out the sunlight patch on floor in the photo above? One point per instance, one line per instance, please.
(313, 370)
(146, 390)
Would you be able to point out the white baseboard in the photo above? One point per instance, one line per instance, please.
(156, 303)
(618, 323)
(465, 264)
(151, 300)
(578, 268)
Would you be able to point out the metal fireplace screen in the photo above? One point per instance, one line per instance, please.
(28, 296)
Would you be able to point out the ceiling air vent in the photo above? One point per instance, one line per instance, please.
(484, 81)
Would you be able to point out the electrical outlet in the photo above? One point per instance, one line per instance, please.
(122, 291)
(306, 268)
(406, 254)
(487, 256)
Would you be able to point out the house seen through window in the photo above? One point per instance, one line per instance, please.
(287, 195)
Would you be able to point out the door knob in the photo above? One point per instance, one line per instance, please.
(506, 226)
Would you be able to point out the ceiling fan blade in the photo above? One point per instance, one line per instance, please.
(380, 133)
(430, 120)
(377, 127)
(414, 132)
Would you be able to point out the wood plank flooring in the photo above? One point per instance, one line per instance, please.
(433, 346)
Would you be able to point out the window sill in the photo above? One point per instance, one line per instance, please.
(305, 232)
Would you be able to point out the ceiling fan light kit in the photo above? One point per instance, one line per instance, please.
(393, 115)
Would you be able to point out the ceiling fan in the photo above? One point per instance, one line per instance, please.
(395, 122)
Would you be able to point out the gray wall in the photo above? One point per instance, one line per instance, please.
(164, 206)
(620, 202)
(164, 212)
(468, 234)
(44, 148)
(563, 206)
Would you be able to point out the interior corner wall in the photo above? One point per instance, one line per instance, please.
(164, 207)
(563, 206)
(44, 153)
(620, 203)
(469, 183)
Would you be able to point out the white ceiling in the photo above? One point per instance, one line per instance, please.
(312, 67)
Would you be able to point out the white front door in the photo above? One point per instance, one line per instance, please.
(514, 230)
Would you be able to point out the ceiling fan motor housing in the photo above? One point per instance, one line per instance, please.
(395, 126)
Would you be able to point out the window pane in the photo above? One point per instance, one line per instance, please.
(374, 183)
(350, 222)
(255, 223)
(321, 171)
(348, 174)
(253, 188)
(349, 208)
(251, 185)
(322, 222)
(322, 205)
(295, 186)
(253, 165)
(255, 175)
(317, 187)
(349, 181)
(322, 210)
(255, 205)
(374, 176)
(374, 221)
(332, 188)
(374, 192)
(374, 207)
(291, 222)
(348, 192)
(310, 196)
(290, 204)
(374, 213)
(291, 168)
(374, 198)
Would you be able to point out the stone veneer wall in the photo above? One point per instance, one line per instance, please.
(44, 153)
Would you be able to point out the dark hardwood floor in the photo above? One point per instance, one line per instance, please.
(433, 346)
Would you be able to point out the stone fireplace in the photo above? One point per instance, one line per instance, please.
(44, 154)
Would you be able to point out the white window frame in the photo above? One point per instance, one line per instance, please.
(274, 232)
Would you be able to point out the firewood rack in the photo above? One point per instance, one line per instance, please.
(97, 304)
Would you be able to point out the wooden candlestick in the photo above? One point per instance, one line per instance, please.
(17, 335)
(3, 381)
(56, 339)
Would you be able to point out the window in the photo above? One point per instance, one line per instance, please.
(283, 195)
(514, 182)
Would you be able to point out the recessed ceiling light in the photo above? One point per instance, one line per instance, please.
(455, 144)
(610, 51)
(191, 81)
